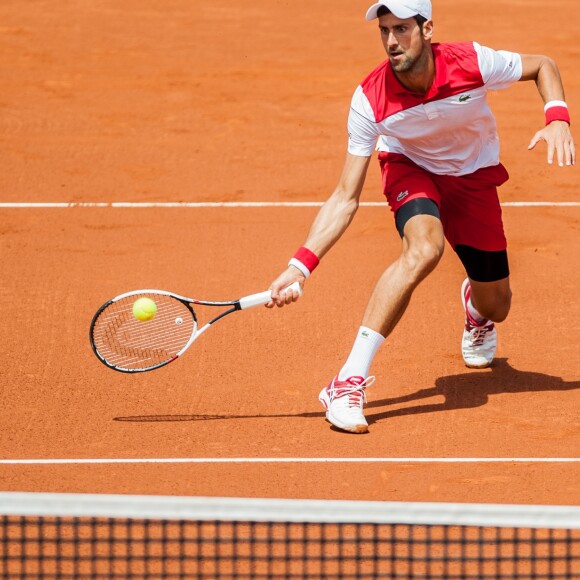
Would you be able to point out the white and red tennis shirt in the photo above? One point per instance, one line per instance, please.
(450, 130)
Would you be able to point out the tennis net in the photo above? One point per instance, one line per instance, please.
(83, 536)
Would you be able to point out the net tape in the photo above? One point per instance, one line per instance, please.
(88, 536)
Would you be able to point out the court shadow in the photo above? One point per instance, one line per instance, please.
(461, 391)
(471, 389)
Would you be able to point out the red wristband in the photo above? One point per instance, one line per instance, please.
(306, 257)
(557, 114)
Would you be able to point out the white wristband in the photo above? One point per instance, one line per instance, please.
(298, 264)
(551, 104)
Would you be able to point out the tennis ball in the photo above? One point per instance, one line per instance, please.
(144, 309)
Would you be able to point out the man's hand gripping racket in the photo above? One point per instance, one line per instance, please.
(128, 344)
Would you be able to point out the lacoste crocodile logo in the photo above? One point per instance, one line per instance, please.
(402, 195)
(464, 98)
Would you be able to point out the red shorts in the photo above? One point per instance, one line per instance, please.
(469, 205)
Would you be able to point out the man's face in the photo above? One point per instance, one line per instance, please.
(404, 41)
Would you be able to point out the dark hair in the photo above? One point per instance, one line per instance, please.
(420, 20)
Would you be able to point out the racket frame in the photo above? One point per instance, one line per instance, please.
(240, 304)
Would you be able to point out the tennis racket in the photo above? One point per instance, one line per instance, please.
(129, 345)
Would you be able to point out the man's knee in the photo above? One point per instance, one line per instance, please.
(422, 256)
(423, 245)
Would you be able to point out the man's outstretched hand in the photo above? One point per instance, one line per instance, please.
(559, 140)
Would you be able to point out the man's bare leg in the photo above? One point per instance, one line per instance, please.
(423, 245)
(492, 299)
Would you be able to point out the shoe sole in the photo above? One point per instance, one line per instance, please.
(350, 428)
(475, 366)
(356, 429)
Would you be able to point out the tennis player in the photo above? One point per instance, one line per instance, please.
(425, 110)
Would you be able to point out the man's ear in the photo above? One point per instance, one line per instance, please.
(428, 29)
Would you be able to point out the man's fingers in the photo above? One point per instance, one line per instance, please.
(567, 153)
(535, 140)
(281, 296)
(550, 152)
(570, 152)
(274, 297)
(560, 145)
(287, 288)
(288, 296)
(560, 153)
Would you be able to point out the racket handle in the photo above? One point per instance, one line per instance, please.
(264, 297)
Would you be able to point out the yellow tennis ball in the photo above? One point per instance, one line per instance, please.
(144, 309)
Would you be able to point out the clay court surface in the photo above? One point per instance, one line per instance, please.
(198, 101)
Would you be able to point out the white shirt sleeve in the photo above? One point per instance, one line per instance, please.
(362, 129)
(499, 68)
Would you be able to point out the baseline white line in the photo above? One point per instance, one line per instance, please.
(237, 204)
(297, 460)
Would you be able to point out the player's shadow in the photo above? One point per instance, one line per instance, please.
(462, 391)
(471, 389)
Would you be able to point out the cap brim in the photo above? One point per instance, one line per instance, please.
(398, 11)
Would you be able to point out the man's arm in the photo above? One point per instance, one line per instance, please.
(329, 225)
(556, 134)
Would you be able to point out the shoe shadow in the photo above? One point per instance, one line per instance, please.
(473, 389)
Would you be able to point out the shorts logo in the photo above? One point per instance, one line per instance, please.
(464, 98)
(402, 195)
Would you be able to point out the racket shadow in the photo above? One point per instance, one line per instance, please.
(470, 390)
(216, 417)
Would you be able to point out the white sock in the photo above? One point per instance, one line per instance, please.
(473, 312)
(361, 356)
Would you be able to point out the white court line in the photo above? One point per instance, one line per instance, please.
(206, 460)
(237, 204)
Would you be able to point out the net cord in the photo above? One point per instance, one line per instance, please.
(288, 510)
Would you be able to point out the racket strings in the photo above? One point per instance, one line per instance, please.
(124, 341)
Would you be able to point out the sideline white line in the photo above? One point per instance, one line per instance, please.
(170, 204)
(236, 204)
(297, 460)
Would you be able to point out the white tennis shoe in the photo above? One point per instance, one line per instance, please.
(479, 340)
(344, 401)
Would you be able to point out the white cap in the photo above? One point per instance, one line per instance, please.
(402, 8)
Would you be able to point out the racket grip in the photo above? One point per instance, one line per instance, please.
(264, 297)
